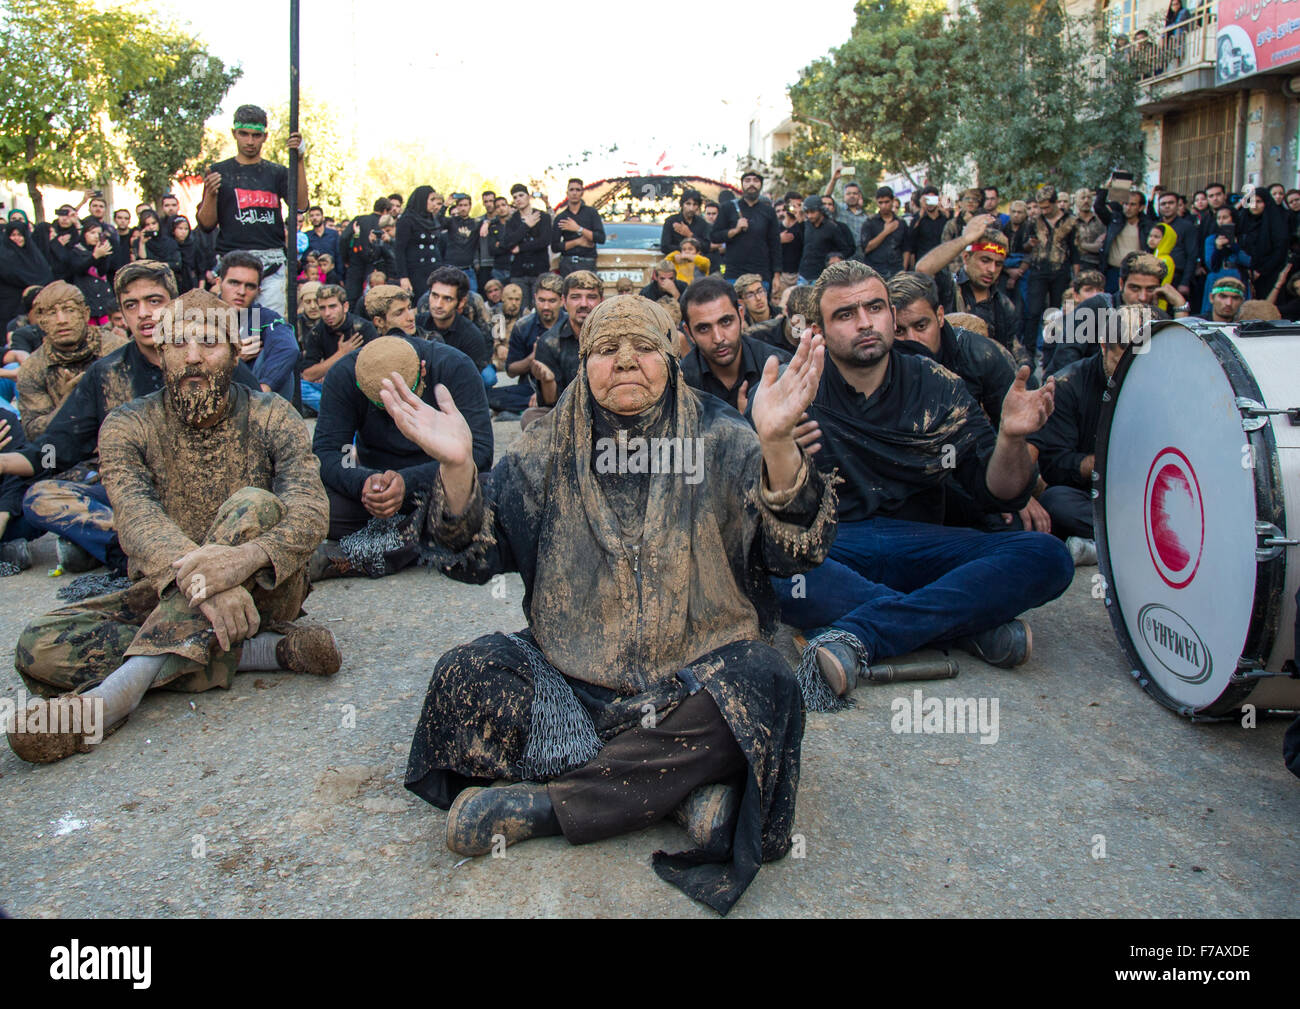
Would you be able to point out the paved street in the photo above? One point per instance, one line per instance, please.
(261, 801)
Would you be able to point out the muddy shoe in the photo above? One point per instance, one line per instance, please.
(515, 812)
(709, 816)
(1006, 646)
(72, 558)
(50, 746)
(328, 561)
(308, 648)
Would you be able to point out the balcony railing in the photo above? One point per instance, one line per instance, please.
(1177, 49)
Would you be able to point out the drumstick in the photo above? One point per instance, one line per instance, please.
(931, 669)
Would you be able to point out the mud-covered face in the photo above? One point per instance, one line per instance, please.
(63, 323)
(513, 301)
(627, 372)
(197, 372)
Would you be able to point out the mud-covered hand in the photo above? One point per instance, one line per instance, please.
(440, 431)
(213, 569)
(233, 616)
(780, 404)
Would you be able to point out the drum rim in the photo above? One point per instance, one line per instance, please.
(1266, 606)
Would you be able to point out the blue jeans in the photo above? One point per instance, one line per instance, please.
(502, 276)
(900, 586)
(473, 279)
(311, 394)
(79, 512)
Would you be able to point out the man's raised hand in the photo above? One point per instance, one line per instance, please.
(1026, 410)
(976, 227)
(440, 431)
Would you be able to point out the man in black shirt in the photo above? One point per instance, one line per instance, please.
(241, 197)
(448, 287)
(749, 229)
(897, 427)
(791, 241)
(927, 230)
(336, 335)
(73, 504)
(369, 468)
(884, 236)
(723, 362)
(987, 369)
(1066, 446)
(975, 289)
(548, 310)
(689, 221)
(458, 244)
(578, 230)
(556, 360)
(823, 240)
(528, 237)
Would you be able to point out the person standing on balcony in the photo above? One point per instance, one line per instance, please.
(1175, 28)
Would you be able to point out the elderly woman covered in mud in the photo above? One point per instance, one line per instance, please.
(644, 519)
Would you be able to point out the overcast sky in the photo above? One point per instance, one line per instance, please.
(649, 77)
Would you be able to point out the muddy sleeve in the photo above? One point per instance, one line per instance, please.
(297, 484)
(475, 545)
(797, 526)
(146, 534)
(37, 404)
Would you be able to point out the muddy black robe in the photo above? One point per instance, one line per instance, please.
(630, 617)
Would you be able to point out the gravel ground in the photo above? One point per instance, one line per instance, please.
(284, 797)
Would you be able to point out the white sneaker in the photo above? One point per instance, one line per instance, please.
(1083, 551)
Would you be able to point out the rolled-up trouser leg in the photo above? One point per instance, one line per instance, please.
(195, 662)
(642, 775)
(78, 512)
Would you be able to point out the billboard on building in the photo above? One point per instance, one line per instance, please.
(1256, 36)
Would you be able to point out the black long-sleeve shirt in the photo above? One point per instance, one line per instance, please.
(464, 336)
(757, 249)
(534, 243)
(669, 240)
(12, 488)
(347, 418)
(753, 359)
(458, 245)
(987, 368)
(820, 243)
(586, 218)
(558, 350)
(1070, 434)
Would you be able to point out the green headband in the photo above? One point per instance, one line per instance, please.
(1228, 289)
(256, 127)
(380, 403)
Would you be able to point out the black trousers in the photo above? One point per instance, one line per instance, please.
(1046, 289)
(1071, 511)
(641, 775)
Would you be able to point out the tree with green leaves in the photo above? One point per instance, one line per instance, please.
(1063, 111)
(886, 91)
(162, 121)
(63, 66)
(1011, 92)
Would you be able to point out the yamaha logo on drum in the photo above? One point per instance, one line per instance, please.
(1175, 518)
(1174, 643)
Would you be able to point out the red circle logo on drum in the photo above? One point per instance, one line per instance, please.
(1175, 518)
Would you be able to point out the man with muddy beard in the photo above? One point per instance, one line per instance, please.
(70, 346)
(220, 505)
(72, 503)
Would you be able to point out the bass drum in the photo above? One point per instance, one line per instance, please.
(1197, 476)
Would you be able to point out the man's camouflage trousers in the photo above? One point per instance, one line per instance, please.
(83, 643)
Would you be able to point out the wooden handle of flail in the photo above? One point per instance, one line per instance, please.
(930, 669)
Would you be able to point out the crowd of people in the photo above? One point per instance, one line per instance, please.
(851, 426)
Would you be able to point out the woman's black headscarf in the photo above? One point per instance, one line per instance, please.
(417, 207)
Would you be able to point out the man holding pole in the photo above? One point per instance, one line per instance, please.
(241, 199)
